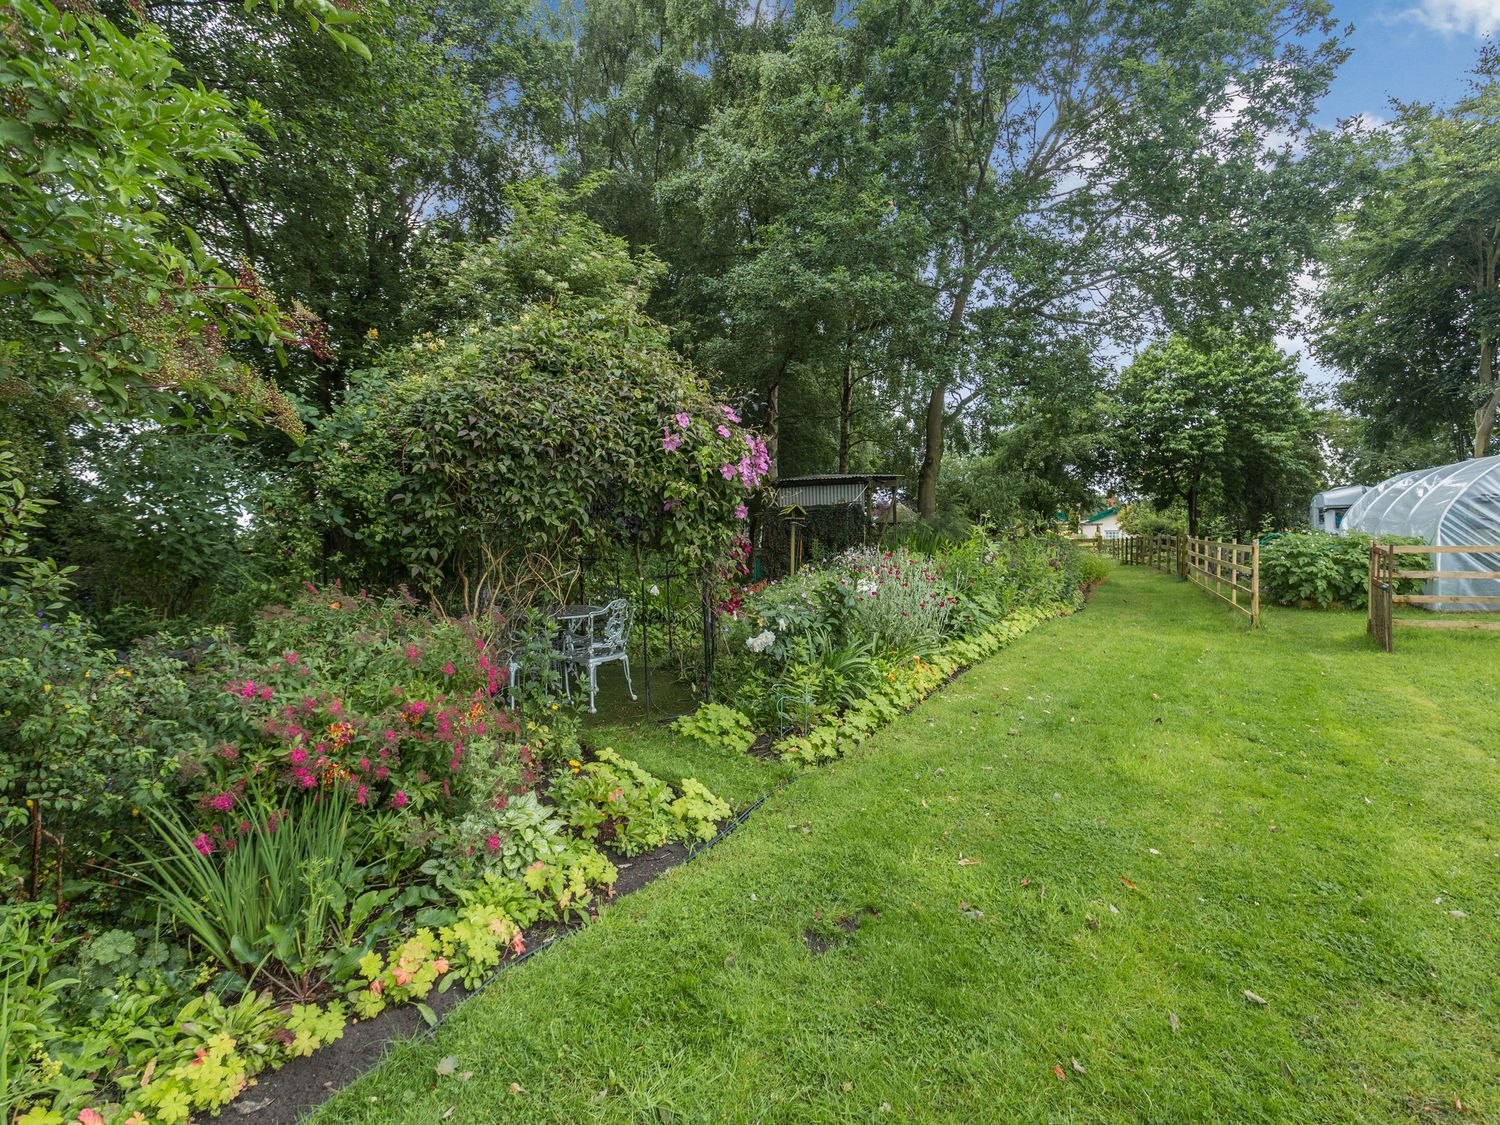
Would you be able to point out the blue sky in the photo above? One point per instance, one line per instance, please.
(1414, 50)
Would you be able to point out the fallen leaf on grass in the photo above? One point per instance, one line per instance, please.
(967, 861)
(515, 1088)
(446, 1065)
(1286, 1072)
(1127, 882)
(1078, 1066)
(1156, 697)
(847, 1087)
(1025, 882)
(1113, 909)
(1254, 999)
(1172, 1021)
(447, 1113)
(1062, 1075)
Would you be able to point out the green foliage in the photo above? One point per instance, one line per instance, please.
(100, 297)
(717, 727)
(1219, 416)
(480, 462)
(286, 897)
(1412, 293)
(1093, 568)
(613, 800)
(697, 811)
(1323, 570)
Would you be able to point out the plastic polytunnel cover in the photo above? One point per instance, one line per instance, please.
(1449, 506)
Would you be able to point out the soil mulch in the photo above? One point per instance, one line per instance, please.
(285, 1096)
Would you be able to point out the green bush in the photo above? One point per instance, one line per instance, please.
(1319, 569)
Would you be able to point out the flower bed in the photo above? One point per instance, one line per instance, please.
(821, 660)
(340, 817)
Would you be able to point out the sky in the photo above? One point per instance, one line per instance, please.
(1413, 50)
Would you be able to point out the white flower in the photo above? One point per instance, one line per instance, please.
(761, 641)
(781, 623)
(654, 591)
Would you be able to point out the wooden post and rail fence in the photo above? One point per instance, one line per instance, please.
(1385, 579)
(1228, 570)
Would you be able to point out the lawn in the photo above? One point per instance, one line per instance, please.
(1142, 865)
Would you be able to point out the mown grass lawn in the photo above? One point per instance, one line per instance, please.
(1089, 848)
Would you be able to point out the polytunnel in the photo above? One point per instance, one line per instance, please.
(1451, 505)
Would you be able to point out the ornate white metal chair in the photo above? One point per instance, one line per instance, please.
(587, 652)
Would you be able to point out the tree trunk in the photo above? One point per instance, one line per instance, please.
(773, 420)
(1192, 512)
(1484, 417)
(932, 461)
(846, 405)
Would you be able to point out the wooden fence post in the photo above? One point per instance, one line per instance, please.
(1255, 583)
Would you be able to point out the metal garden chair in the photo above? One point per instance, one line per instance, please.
(587, 652)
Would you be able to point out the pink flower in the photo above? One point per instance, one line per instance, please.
(403, 978)
(683, 420)
(741, 512)
(670, 442)
(727, 470)
(361, 795)
(204, 844)
(448, 668)
(400, 800)
(90, 1117)
(730, 414)
(298, 755)
(413, 653)
(222, 802)
(291, 658)
(381, 773)
(441, 965)
(493, 843)
(722, 430)
(377, 987)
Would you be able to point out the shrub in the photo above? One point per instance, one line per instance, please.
(1093, 569)
(1320, 569)
(717, 727)
(613, 800)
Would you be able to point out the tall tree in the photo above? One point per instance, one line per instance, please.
(1410, 311)
(1069, 158)
(1220, 416)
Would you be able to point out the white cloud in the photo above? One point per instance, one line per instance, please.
(1458, 17)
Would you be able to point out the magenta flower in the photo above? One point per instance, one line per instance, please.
(361, 795)
(221, 802)
(204, 844)
(298, 755)
(723, 430)
(400, 800)
(493, 843)
(683, 420)
(448, 668)
(670, 442)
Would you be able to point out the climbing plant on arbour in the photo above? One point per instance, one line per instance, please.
(486, 464)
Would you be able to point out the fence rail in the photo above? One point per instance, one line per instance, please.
(1385, 575)
(1229, 571)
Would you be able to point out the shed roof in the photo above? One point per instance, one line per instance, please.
(1104, 515)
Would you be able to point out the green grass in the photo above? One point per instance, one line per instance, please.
(1299, 814)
